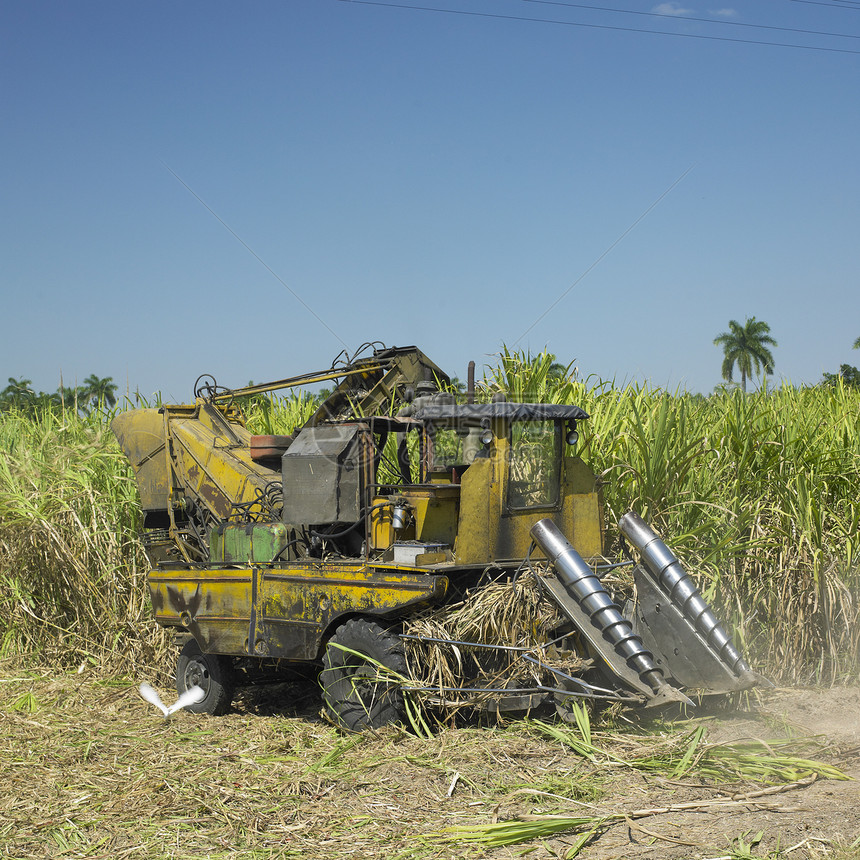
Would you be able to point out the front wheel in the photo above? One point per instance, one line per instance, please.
(362, 670)
(211, 672)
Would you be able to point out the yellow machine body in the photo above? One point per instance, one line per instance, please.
(246, 575)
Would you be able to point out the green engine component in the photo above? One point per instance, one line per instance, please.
(241, 543)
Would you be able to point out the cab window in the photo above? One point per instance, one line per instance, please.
(535, 462)
(447, 447)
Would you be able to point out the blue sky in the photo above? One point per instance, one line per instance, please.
(424, 177)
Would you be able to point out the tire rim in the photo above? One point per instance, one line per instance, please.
(196, 674)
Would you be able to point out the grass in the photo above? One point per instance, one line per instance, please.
(91, 770)
(72, 573)
(678, 754)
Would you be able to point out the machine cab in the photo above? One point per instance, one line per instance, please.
(488, 472)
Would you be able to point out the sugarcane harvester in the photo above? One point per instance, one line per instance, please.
(314, 548)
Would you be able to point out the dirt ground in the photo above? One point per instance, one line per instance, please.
(89, 769)
(822, 819)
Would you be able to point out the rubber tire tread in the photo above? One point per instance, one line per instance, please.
(219, 696)
(343, 703)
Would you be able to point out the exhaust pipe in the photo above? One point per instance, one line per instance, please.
(664, 566)
(583, 585)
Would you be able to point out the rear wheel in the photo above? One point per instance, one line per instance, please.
(359, 687)
(211, 672)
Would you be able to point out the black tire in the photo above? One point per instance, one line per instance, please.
(355, 690)
(211, 672)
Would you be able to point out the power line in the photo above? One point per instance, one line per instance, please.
(616, 28)
(841, 5)
(711, 21)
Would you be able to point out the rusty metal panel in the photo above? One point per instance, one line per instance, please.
(140, 434)
(282, 610)
(214, 606)
(269, 447)
(486, 531)
(298, 604)
(436, 510)
(478, 522)
(216, 470)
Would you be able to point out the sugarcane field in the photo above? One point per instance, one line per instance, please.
(429, 430)
(406, 617)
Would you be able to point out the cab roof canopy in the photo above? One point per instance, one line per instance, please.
(506, 411)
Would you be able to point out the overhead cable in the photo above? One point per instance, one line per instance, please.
(713, 21)
(591, 26)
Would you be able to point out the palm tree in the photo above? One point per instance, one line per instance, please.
(18, 384)
(99, 392)
(747, 347)
(17, 394)
(857, 343)
(72, 398)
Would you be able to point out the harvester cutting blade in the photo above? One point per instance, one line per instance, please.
(675, 622)
(580, 595)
